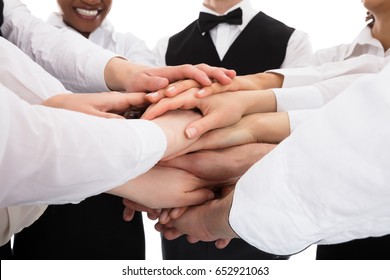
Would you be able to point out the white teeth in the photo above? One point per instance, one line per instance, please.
(87, 13)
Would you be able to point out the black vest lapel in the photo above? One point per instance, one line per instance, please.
(261, 46)
(1, 14)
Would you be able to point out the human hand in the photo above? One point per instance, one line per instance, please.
(173, 124)
(166, 187)
(254, 128)
(122, 75)
(131, 207)
(107, 105)
(218, 111)
(206, 222)
(260, 81)
(222, 164)
(218, 75)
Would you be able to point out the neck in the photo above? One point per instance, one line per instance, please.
(381, 31)
(220, 6)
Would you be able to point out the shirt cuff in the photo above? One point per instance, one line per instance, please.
(153, 143)
(295, 77)
(98, 60)
(308, 97)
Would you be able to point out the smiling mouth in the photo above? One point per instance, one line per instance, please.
(88, 13)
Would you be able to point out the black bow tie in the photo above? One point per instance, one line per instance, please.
(207, 21)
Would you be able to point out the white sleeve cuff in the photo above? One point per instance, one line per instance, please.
(309, 97)
(295, 77)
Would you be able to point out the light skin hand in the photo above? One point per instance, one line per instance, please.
(170, 187)
(254, 128)
(259, 81)
(131, 207)
(173, 124)
(222, 75)
(122, 75)
(224, 164)
(106, 105)
(206, 222)
(218, 110)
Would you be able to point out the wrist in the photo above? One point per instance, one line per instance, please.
(259, 101)
(117, 71)
(269, 80)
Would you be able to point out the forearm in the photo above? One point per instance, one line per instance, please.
(56, 166)
(262, 80)
(173, 124)
(271, 127)
(257, 101)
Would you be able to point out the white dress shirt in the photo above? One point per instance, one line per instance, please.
(53, 156)
(24, 77)
(41, 150)
(85, 61)
(326, 183)
(125, 44)
(223, 36)
(23, 128)
(328, 72)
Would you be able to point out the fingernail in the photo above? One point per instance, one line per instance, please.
(153, 94)
(191, 132)
(201, 92)
(171, 89)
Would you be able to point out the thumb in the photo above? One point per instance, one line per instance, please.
(198, 196)
(98, 113)
(201, 126)
(149, 83)
(108, 115)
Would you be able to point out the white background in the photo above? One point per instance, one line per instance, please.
(328, 22)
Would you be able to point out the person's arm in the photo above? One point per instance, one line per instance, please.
(105, 104)
(76, 62)
(166, 187)
(58, 156)
(25, 77)
(220, 164)
(314, 187)
(270, 128)
(218, 110)
(82, 66)
(258, 81)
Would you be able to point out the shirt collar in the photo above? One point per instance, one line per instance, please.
(247, 12)
(365, 38)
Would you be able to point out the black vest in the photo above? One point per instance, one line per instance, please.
(260, 46)
(1, 14)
